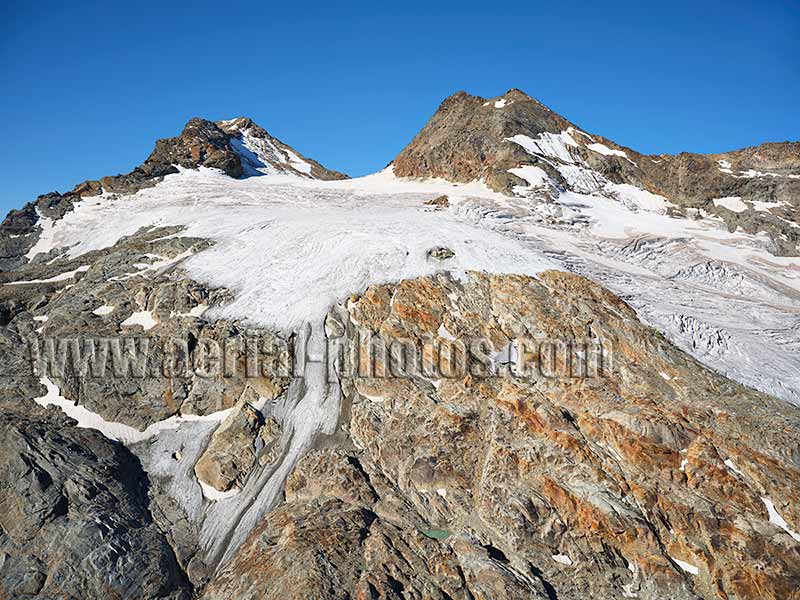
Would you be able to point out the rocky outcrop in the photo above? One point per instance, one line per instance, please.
(74, 515)
(472, 138)
(236, 445)
(135, 302)
(259, 152)
(439, 202)
(657, 479)
(440, 253)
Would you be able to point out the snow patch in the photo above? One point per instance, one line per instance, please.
(765, 206)
(535, 176)
(562, 558)
(111, 429)
(733, 203)
(551, 145)
(42, 245)
(730, 464)
(689, 568)
(298, 164)
(637, 199)
(444, 334)
(143, 318)
(581, 179)
(751, 173)
(606, 151)
(196, 311)
(213, 494)
(54, 279)
(778, 520)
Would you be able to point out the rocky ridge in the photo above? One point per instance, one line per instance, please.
(134, 292)
(238, 147)
(76, 519)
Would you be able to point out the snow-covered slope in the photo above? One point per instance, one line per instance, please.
(289, 247)
(263, 154)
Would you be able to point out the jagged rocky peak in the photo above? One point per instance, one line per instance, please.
(201, 143)
(239, 147)
(240, 124)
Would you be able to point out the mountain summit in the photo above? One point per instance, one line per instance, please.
(467, 139)
(517, 145)
(238, 147)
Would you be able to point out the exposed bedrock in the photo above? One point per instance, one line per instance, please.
(655, 480)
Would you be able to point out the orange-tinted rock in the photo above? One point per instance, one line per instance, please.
(537, 486)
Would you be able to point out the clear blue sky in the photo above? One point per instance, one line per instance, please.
(88, 87)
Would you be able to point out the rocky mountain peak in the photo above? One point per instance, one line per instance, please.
(506, 100)
(201, 143)
(238, 147)
(466, 139)
(238, 124)
(518, 146)
(201, 128)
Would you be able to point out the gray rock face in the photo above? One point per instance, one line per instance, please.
(86, 315)
(20, 230)
(74, 516)
(136, 292)
(16, 236)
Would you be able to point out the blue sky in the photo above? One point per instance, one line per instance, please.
(88, 87)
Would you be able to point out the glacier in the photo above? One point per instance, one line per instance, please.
(289, 247)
